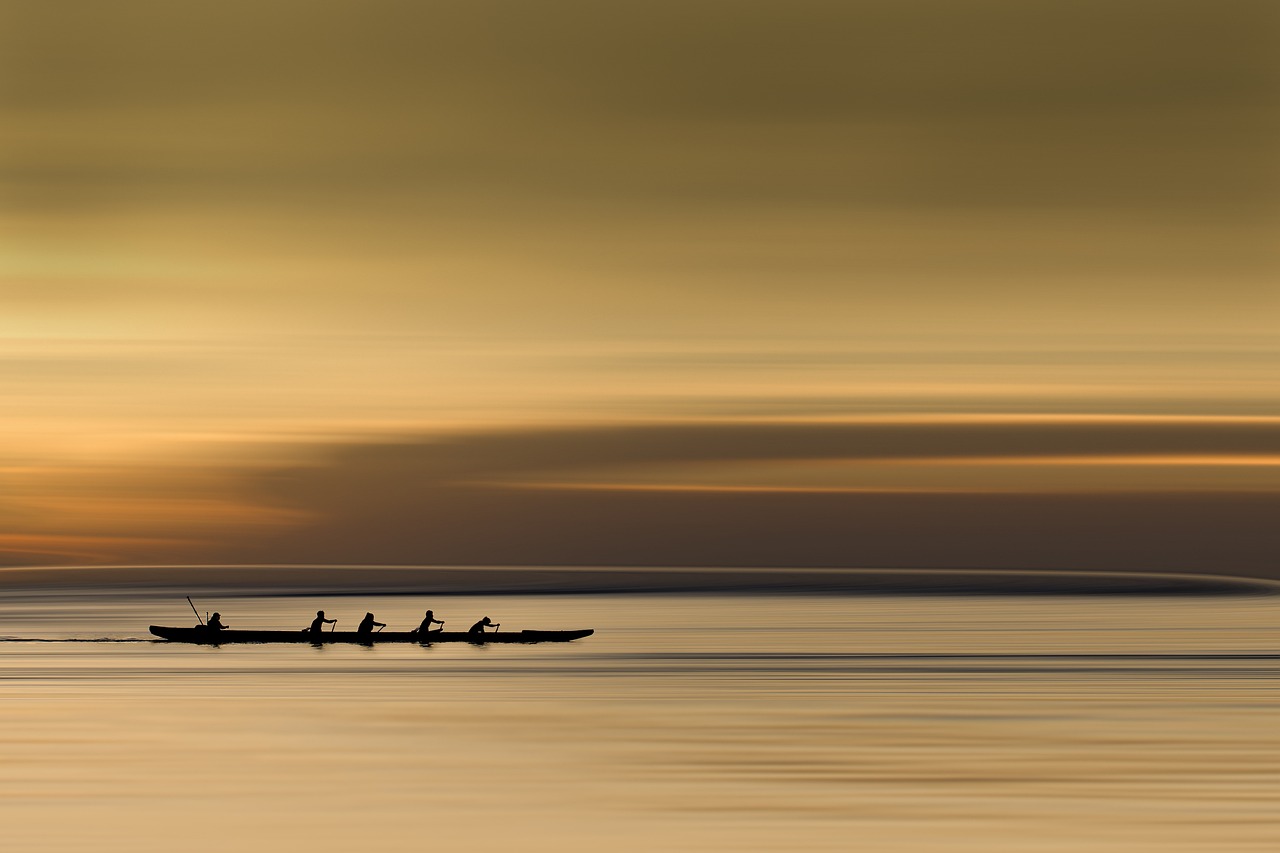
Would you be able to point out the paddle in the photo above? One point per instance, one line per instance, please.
(193, 610)
(334, 625)
(380, 627)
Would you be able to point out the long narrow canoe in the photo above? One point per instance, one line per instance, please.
(217, 638)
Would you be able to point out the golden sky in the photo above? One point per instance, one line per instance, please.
(384, 281)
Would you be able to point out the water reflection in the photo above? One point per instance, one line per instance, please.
(686, 723)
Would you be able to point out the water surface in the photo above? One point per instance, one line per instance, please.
(688, 722)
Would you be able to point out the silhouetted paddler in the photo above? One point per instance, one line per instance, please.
(479, 627)
(367, 623)
(215, 623)
(317, 624)
(427, 622)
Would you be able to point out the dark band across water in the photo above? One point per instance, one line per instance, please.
(207, 637)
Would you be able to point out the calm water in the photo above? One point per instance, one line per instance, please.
(688, 722)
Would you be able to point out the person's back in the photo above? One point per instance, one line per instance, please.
(429, 620)
(317, 624)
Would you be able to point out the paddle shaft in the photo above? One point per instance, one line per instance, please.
(193, 610)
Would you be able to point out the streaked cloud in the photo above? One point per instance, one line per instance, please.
(1102, 493)
(671, 282)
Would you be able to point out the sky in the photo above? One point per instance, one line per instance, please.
(908, 284)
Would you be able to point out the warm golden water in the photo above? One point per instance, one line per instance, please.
(687, 723)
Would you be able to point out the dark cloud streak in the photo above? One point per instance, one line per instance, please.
(508, 452)
(415, 503)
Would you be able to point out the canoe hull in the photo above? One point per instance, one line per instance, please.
(205, 637)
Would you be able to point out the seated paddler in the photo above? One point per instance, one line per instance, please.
(367, 624)
(479, 627)
(215, 623)
(318, 623)
(427, 621)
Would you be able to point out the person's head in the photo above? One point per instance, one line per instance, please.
(368, 616)
(217, 615)
(486, 621)
(428, 613)
(320, 613)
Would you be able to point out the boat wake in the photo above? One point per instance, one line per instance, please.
(76, 640)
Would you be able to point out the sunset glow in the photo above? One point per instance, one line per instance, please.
(226, 281)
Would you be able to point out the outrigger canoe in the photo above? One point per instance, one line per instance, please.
(218, 638)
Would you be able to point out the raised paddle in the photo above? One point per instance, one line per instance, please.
(193, 610)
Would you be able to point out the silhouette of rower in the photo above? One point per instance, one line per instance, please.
(317, 624)
(215, 623)
(427, 622)
(479, 627)
(367, 623)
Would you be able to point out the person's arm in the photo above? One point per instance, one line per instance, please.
(331, 620)
(381, 624)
